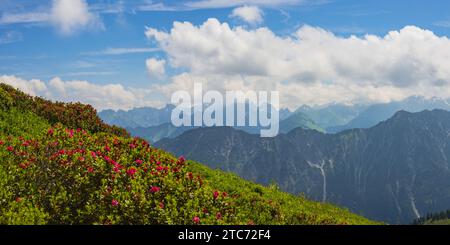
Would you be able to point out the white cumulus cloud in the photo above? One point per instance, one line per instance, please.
(312, 65)
(250, 14)
(156, 68)
(32, 87)
(108, 96)
(68, 16)
(71, 15)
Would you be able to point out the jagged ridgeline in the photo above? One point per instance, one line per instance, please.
(60, 164)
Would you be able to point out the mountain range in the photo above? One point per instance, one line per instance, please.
(332, 115)
(137, 117)
(395, 171)
(167, 130)
(380, 112)
(149, 116)
(154, 124)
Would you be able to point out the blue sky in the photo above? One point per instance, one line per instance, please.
(109, 44)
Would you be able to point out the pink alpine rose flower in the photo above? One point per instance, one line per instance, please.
(131, 172)
(155, 189)
(196, 220)
(114, 203)
(181, 160)
(216, 194)
(117, 168)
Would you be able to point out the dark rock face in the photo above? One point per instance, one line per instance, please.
(392, 172)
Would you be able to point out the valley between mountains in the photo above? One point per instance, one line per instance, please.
(395, 171)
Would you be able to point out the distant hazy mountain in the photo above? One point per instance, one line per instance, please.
(298, 120)
(332, 115)
(380, 112)
(150, 117)
(285, 113)
(155, 124)
(156, 133)
(167, 130)
(138, 117)
(394, 172)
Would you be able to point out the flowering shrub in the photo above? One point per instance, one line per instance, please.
(74, 177)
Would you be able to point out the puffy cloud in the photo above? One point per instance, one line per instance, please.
(71, 15)
(312, 65)
(156, 68)
(32, 87)
(67, 16)
(250, 14)
(90, 93)
(109, 96)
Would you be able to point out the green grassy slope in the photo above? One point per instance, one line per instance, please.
(59, 164)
